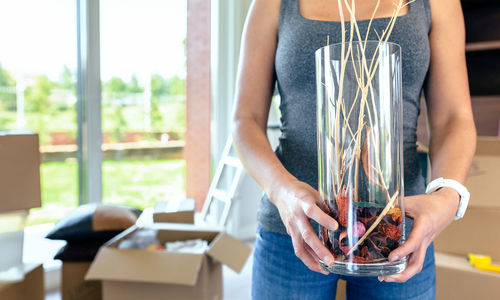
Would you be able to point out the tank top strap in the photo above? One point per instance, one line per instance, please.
(289, 12)
(427, 11)
(419, 10)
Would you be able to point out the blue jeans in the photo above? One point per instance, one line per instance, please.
(278, 274)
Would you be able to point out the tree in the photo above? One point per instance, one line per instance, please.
(67, 80)
(176, 86)
(114, 86)
(159, 88)
(37, 101)
(133, 86)
(7, 98)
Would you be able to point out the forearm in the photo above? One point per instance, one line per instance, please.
(452, 148)
(257, 156)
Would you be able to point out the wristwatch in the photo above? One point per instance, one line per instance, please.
(457, 186)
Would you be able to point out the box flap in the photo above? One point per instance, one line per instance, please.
(145, 266)
(229, 251)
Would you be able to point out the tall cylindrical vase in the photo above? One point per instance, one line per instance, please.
(360, 157)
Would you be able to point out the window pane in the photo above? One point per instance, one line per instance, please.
(143, 100)
(37, 92)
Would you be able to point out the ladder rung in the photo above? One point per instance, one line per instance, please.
(221, 195)
(232, 161)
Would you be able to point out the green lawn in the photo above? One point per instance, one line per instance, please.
(135, 183)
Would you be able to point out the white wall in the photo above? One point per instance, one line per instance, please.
(228, 18)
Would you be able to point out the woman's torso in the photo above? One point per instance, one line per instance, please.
(298, 39)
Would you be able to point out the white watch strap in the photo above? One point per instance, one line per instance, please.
(461, 190)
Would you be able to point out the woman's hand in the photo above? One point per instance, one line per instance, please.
(298, 202)
(431, 214)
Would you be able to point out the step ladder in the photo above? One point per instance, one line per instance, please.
(223, 188)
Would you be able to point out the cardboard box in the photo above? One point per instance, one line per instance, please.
(73, 284)
(456, 279)
(483, 181)
(477, 232)
(175, 211)
(20, 171)
(142, 274)
(31, 288)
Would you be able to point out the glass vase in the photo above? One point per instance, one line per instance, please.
(360, 156)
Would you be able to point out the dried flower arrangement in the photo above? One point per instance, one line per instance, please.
(367, 233)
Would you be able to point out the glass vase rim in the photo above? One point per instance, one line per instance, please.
(358, 42)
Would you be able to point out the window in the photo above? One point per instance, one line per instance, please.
(143, 74)
(37, 92)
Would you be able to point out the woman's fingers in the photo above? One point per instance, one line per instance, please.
(314, 212)
(312, 240)
(414, 242)
(303, 254)
(414, 248)
(313, 255)
(414, 266)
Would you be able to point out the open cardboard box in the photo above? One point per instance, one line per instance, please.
(144, 274)
(458, 280)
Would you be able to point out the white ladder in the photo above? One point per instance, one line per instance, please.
(223, 188)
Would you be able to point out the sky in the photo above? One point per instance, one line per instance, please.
(141, 37)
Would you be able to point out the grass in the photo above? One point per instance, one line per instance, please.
(134, 183)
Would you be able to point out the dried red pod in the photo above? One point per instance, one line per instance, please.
(343, 243)
(324, 234)
(359, 259)
(364, 251)
(391, 231)
(366, 220)
(342, 210)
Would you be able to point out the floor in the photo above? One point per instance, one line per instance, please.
(236, 286)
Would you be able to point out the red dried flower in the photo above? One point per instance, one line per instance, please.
(391, 231)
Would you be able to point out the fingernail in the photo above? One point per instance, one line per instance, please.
(380, 278)
(394, 258)
(328, 260)
(389, 279)
(325, 272)
(333, 226)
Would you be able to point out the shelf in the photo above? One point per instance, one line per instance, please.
(482, 46)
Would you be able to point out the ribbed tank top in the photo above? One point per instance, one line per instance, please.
(298, 39)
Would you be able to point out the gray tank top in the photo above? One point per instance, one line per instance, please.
(298, 39)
